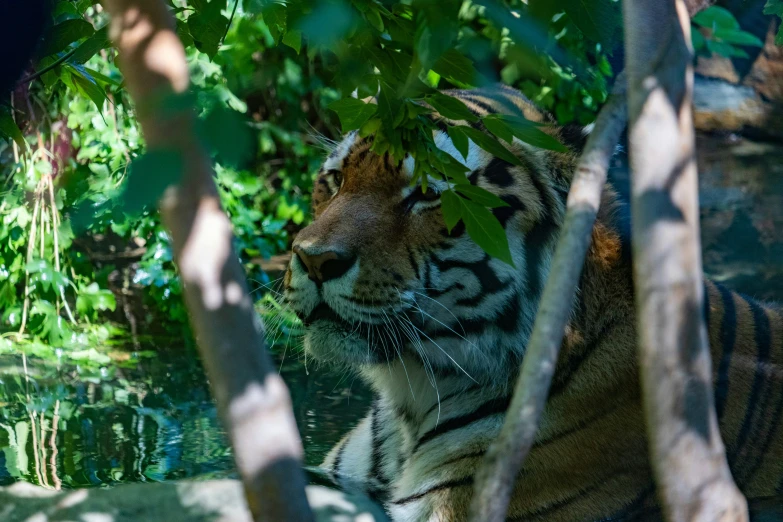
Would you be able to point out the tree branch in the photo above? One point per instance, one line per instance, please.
(686, 451)
(496, 477)
(56, 63)
(251, 397)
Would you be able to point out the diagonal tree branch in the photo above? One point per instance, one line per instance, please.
(496, 477)
(686, 450)
(251, 397)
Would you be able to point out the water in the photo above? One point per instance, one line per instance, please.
(151, 421)
(146, 414)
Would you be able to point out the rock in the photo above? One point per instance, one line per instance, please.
(722, 106)
(186, 501)
(752, 104)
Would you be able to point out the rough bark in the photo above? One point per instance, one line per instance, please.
(686, 451)
(251, 397)
(496, 477)
(694, 6)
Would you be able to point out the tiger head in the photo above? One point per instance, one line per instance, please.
(377, 277)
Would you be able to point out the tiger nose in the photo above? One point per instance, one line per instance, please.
(325, 266)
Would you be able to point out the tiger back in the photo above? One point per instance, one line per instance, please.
(438, 329)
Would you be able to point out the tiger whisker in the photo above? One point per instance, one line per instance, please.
(444, 307)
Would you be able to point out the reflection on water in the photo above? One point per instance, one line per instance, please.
(153, 422)
(152, 419)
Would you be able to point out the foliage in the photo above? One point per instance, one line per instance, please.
(775, 7)
(718, 32)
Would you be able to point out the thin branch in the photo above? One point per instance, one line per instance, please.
(496, 477)
(252, 399)
(230, 20)
(686, 450)
(55, 64)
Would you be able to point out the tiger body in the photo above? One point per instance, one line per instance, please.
(438, 329)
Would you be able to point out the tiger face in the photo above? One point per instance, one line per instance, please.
(377, 277)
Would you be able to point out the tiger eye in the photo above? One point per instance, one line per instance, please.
(338, 178)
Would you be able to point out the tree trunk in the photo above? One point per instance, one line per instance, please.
(686, 450)
(251, 397)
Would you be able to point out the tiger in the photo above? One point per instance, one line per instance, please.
(438, 329)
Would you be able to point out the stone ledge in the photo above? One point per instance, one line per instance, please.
(192, 501)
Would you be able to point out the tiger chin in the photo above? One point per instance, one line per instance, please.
(438, 329)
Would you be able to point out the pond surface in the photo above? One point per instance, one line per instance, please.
(145, 413)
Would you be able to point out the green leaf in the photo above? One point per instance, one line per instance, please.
(10, 129)
(485, 229)
(774, 7)
(456, 67)
(447, 165)
(227, 135)
(738, 37)
(374, 19)
(498, 128)
(491, 145)
(460, 140)
(293, 39)
(526, 131)
(370, 127)
(715, 17)
(725, 49)
(328, 24)
(451, 107)
(207, 29)
(60, 36)
(480, 196)
(148, 177)
(92, 298)
(352, 112)
(599, 20)
(451, 207)
(274, 15)
(95, 43)
(89, 87)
